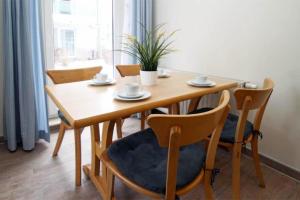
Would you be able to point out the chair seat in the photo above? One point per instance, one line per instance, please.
(157, 111)
(140, 158)
(228, 133)
(62, 117)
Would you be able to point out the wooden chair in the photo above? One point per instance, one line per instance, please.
(134, 70)
(238, 131)
(59, 76)
(129, 70)
(174, 140)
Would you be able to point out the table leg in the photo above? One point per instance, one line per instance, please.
(194, 104)
(176, 108)
(95, 138)
(93, 171)
(77, 134)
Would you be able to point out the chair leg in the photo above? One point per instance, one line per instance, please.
(174, 109)
(61, 134)
(119, 123)
(209, 194)
(110, 185)
(143, 120)
(236, 171)
(255, 156)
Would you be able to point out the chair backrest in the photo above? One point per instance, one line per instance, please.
(129, 70)
(252, 99)
(59, 76)
(174, 131)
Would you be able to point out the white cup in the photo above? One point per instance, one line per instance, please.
(132, 89)
(101, 77)
(201, 79)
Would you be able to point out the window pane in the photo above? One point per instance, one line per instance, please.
(68, 42)
(65, 6)
(83, 37)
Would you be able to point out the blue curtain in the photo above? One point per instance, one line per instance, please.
(137, 13)
(25, 106)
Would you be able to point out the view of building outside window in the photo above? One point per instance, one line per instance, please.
(83, 33)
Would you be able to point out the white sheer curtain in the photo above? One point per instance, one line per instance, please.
(129, 16)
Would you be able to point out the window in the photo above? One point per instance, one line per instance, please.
(78, 33)
(65, 6)
(64, 44)
(83, 33)
(68, 42)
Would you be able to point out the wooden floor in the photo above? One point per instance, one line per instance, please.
(36, 175)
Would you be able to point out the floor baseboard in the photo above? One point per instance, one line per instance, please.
(276, 165)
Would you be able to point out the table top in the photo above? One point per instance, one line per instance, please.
(85, 105)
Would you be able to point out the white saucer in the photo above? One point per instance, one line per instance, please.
(95, 82)
(145, 95)
(123, 94)
(207, 83)
(163, 75)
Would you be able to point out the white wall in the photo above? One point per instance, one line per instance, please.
(246, 40)
(1, 75)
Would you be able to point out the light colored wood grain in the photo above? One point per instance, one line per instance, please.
(129, 70)
(256, 160)
(172, 165)
(258, 96)
(194, 104)
(84, 105)
(61, 134)
(175, 131)
(95, 138)
(34, 176)
(189, 124)
(59, 76)
(100, 106)
(119, 124)
(134, 70)
(77, 134)
(247, 100)
(143, 120)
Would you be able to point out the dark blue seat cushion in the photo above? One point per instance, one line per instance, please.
(157, 111)
(62, 117)
(228, 133)
(140, 158)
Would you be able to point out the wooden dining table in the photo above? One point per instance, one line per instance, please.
(84, 105)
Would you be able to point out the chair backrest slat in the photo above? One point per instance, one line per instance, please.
(252, 99)
(59, 76)
(268, 83)
(174, 131)
(258, 96)
(129, 70)
(191, 125)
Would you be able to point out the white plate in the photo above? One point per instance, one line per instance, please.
(163, 75)
(95, 82)
(123, 94)
(145, 96)
(205, 84)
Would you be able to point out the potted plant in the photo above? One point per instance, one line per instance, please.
(149, 51)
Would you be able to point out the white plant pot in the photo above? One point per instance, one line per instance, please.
(148, 78)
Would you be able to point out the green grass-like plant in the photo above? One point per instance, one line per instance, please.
(149, 51)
